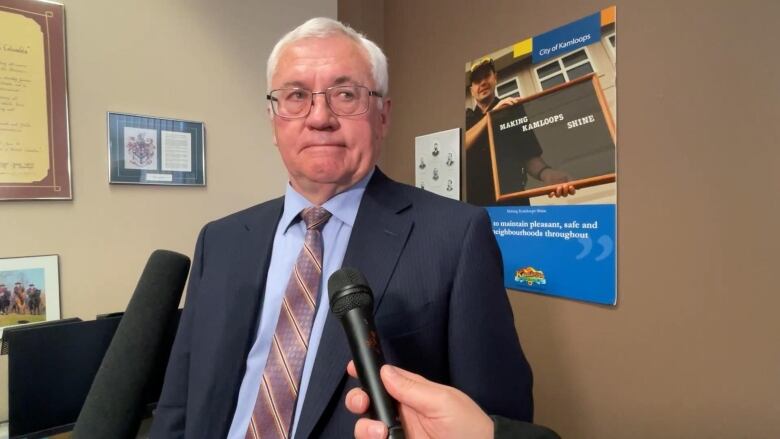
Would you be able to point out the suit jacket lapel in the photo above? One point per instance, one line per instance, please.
(376, 243)
(239, 328)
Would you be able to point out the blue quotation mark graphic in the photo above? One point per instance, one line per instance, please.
(606, 243)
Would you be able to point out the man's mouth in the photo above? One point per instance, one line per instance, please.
(324, 145)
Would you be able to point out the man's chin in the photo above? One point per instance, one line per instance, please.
(487, 99)
(327, 176)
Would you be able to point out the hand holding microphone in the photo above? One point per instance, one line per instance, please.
(429, 410)
(352, 302)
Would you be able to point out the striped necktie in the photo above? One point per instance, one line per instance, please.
(276, 400)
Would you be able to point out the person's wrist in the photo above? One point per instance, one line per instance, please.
(541, 171)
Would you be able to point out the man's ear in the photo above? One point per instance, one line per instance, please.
(384, 117)
(270, 113)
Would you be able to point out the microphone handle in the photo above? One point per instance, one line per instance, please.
(367, 354)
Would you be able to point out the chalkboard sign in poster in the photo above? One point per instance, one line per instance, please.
(569, 125)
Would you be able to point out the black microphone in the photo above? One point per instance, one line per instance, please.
(114, 405)
(352, 302)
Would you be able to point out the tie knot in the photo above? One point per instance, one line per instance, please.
(315, 217)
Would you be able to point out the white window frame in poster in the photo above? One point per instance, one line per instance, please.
(515, 90)
(611, 48)
(563, 69)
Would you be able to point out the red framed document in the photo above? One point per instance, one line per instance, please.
(34, 145)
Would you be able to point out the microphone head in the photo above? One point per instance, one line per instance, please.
(347, 290)
(114, 405)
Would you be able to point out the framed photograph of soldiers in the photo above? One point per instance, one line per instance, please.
(151, 150)
(34, 143)
(29, 290)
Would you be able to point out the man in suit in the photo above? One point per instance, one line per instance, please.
(268, 359)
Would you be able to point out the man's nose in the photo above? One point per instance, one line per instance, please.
(321, 116)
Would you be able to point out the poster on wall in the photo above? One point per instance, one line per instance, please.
(34, 149)
(437, 163)
(540, 154)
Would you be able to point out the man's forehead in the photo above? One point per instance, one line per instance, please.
(480, 75)
(323, 44)
(336, 60)
(340, 80)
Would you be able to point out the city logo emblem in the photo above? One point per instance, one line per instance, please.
(530, 275)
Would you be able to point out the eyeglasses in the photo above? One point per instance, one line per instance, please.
(343, 100)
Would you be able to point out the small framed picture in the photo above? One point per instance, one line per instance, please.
(437, 163)
(29, 290)
(151, 150)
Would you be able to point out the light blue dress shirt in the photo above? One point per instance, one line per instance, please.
(288, 242)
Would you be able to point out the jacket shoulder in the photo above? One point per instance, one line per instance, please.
(249, 216)
(388, 188)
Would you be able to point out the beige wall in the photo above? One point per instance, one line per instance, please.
(196, 60)
(367, 16)
(693, 348)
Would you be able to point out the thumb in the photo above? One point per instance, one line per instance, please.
(413, 390)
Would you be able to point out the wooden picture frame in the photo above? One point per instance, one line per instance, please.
(576, 105)
(34, 141)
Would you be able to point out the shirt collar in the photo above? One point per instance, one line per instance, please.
(493, 103)
(343, 206)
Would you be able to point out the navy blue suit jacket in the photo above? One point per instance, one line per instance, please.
(440, 305)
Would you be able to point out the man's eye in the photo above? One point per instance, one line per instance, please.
(296, 95)
(345, 95)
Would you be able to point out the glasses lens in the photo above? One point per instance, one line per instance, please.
(348, 100)
(291, 102)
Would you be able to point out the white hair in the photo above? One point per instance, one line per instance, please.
(322, 27)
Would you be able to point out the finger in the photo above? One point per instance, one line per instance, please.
(351, 369)
(370, 429)
(403, 373)
(411, 389)
(357, 401)
(572, 189)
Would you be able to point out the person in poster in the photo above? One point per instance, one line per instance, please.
(480, 188)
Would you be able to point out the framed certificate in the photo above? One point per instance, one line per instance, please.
(151, 150)
(34, 148)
